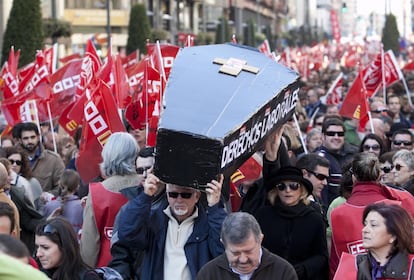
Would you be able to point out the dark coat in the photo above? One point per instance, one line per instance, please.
(297, 234)
(146, 229)
(271, 267)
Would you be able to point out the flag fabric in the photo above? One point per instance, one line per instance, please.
(50, 55)
(336, 31)
(355, 103)
(70, 57)
(265, 48)
(131, 59)
(162, 57)
(372, 74)
(10, 84)
(101, 119)
(334, 94)
(234, 39)
(409, 66)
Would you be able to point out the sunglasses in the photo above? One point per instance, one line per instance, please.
(398, 167)
(319, 176)
(292, 186)
(49, 230)
(333, 133)
(399, 143)
(373, 147)
(185, 195)
(17, 162)
(387, 169)
(379, 111)
(143, 170)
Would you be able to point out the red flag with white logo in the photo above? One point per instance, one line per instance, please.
(162, 57)
(101, 119)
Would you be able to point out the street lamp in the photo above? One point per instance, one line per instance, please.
(108, 22)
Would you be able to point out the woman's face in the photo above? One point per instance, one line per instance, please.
(314, 142)
(402, 173)
(375, 235)
(386, 174)
(48, 252)
(289, 192)
(16, 162)
(372, 146)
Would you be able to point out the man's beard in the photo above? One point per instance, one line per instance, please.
(30, 147)
(180, 211)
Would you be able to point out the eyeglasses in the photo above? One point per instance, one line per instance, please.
(387, 169)
(333, 133)
(373, 147)
(399, 143)
(398, 167)
(185, 195)
(143, 170)
(318, 123)
(319, 176)
(292, 186)
(379, 111)
(17, 162)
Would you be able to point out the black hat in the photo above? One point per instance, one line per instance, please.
(288, 173)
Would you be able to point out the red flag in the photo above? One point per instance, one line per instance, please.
(121, 84)
(409, 66)
(355, 104)
(91, 52)
(101, 119)
(50, 55)
(336, 31)
(334, 94)
(70, 57)
(162, 57)
(265, 48)
(131, 59)
(9, 77)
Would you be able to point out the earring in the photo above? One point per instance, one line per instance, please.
(392, 241)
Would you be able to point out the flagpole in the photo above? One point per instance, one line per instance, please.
(384, 87)
(51, 127)
(300, 133)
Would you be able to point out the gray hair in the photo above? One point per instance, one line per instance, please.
(237, 228)
(366, 167)
(119, 155)
(406, 156)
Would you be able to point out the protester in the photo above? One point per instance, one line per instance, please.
(337, 152)
(402, 139)
(106, 198)
(58, 252)
(292, 229)
(47, 166)
(7, 219)
(68, 204)
(4, 198)
(275, 156)
(394, 106)
(179, 238)
(13, 247)
(313, 140)
(386, 175)
(387, 235)
(244, 257)
(314, 103)
(403, 170)
(315, 169)
(367, 189)
(13, 269)
(372, 143)
(145, 161)
(67, 150)
(22, 175)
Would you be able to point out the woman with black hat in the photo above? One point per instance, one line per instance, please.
(292, 229)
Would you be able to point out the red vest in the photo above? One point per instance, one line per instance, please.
(106, 205)
(348, 268)
(346, 228)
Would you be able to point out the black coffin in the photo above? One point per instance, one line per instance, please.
(221, 101)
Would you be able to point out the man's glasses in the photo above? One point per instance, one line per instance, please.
(387, 169)
(319, 176)
(143, 170)
(398, 167)
(373, 147)
(292, 186)
(333, 133)
(185, 195)
(399, 143)
(17, 162)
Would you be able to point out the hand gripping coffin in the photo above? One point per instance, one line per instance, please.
(221, 102)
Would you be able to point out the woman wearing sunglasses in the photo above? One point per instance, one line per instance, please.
(292, 229)
(403, 170)
(58, 252)
(22, 175)
(372, 143)
(386, 174)
(345, 219)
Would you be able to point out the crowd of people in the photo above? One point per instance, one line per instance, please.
(333, 201)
